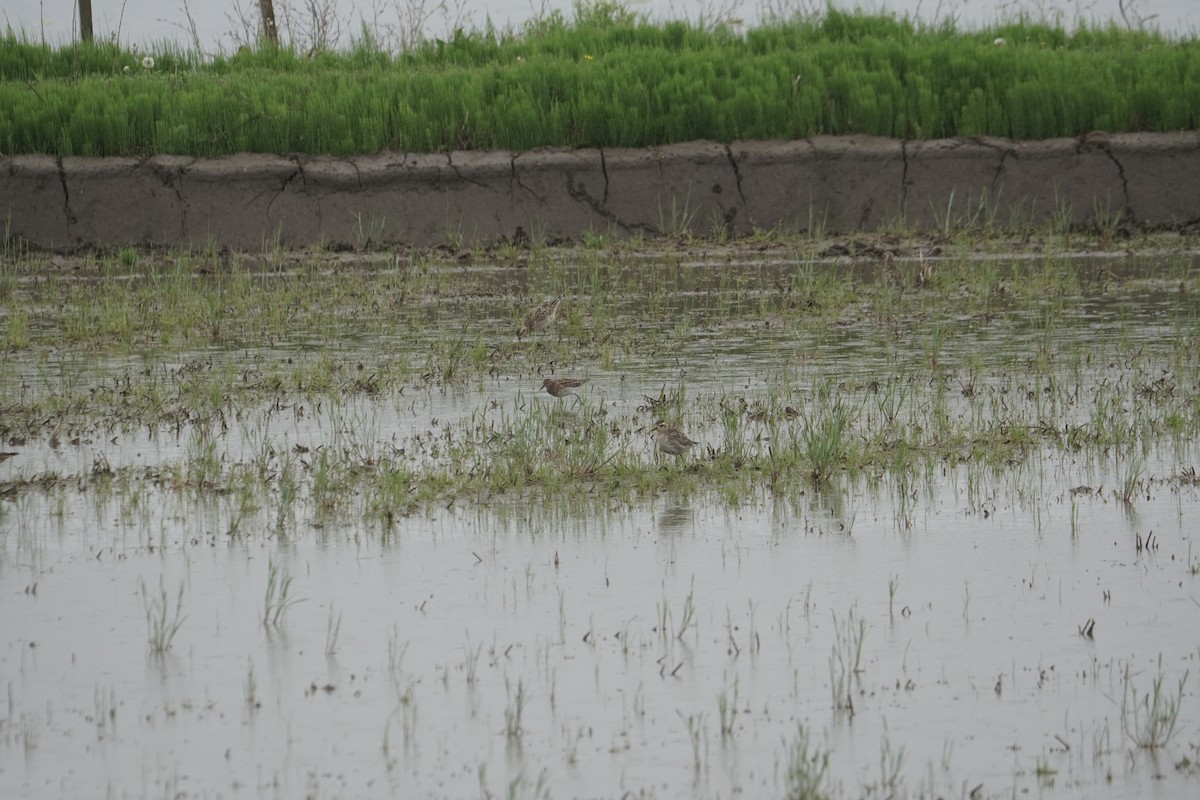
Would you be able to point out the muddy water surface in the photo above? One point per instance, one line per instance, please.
(982, 620)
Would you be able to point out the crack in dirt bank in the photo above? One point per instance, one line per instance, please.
(171, 178)
(235, 200)
(514, 180)
(737, 172)
(604, 171)
(66, 194)
(1101, 142)
(466, 178)
(297, 172)
(1005, 154)
(580, 194)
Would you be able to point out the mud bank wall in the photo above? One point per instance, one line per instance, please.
(837, 184)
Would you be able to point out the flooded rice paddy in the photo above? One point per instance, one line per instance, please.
(283, 526)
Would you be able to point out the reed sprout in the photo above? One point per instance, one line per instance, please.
(332, 630)
(687, 618)
(846, 658)
(250, 689)
(162, 621)
(278, 597)
(727, 709)
(805, 769)
(515, 710)
(1149, 718)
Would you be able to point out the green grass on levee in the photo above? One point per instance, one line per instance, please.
(603, 77)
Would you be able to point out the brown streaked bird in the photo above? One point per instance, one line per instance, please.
(891, 272)
(671, 441)
(563, 387)
(539, 317)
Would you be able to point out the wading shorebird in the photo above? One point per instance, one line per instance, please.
(539, 317)
(563, 387)
(671, 441)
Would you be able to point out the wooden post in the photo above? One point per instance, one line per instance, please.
(85, 20)
(266, 10)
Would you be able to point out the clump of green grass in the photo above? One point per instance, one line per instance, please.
(16, 329)
(824, 440)
(606, 78)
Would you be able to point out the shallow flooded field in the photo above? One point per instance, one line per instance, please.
(308, 526)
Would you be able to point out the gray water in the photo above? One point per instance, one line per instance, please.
(927, 631)
(976, 672)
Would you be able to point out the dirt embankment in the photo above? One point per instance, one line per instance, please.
(836, 184)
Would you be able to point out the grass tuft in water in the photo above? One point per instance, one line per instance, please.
(278, 599)
(806, 769)
(1149, 719)
(515, 710)
(332, 630)
(824, 439)
(162, 623)
(845, 659)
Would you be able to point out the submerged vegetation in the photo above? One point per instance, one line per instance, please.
(363, 353)
(918, 471)
(604, 78)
